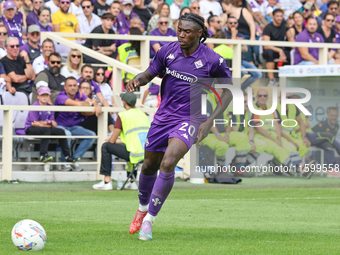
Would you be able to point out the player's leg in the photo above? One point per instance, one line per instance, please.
(175, 151)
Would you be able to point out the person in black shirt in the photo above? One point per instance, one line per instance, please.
(100, 7)
(142, 11)
(326, 30)
(104, 46)
(275, 31)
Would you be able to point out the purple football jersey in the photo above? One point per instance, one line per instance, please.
(181, 100)
(15, 27)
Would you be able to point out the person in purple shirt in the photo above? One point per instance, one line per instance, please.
(308, 55)
(43, 123)
(44, 16)
(162, 30)
(125, 16)
(32, 46)
(32, 17)
(13, 21)
(176, 125)
(69, 121)
(214, 23)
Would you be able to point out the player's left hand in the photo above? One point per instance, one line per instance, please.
(203, 131)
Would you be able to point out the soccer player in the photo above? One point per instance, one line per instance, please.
(176, 125)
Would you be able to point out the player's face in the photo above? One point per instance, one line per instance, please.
(333, 116)
(187, 34)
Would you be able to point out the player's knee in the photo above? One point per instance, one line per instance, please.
(168, 165)
(149, 167)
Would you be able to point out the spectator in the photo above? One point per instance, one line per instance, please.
(336, 60)
(76, 8)
(290, 6)
(162, 10)
(133, 142)
(54, 6)
(332, 8)
(142, 11)
(269, 8)
(7, 80)
(162, 30)
(20, 15)
(195, 8)
(87, 73)
(175, 9)
(104, 86)
(32, 17)
(330, 124)
(43, 123)
(308, 11)
(41, 62)
(293, 32)
(115, 9)
(18, 68)
(308, 55)
(32, 47)
(125, 16)
(73, 64)
(44, 15)
(27, 7)
(50, 78)
(337, 26)
(153, 4)
(207, 6)
(70, 121)
(258, 11)
(100, 7)
(3, 37)
(88, 20)
(275, 31)
(214, 24)
(12, 21)
(103, 46)
(326, 29)
(246, 26)
(91, 121)
(234, 34)
(63, 21)
(184, 10)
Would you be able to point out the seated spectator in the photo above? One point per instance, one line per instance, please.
(3, 37)
(88, 20)
(208, 6)
(234, 34)
(43, 123)
(44, 16)
(73, 64)
(87, 74)
(125, 16)
(41, 62)
(326, 29)
(18, 68)
(336, 58)
(91, 121)
(337, 26)
(54, 6)
(308, 55)
(308, 11)
(175, 9)
(32, 47)
(142, 11)
(275, 31)
(104, 86)
(214, 24)
(76, 8)
(330, 124)
(127, 50)
(184, 10)
(162, 30)
(195, 8)
(63, 21)
(50, 78)
(13, 22)
(332, 8)
(259, 10)
(269, 8)
(293, 32)
(70, 121)
(115, 9)
(100, 7)
(163, 9)
(290, 6)
(133, 142)
(20, 15)
(32, 17)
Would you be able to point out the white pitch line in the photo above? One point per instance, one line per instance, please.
(174, 200)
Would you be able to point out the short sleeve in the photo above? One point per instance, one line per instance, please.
(267, 30)
(157, 64)
(55, 19)
(96, 88)
(220, 70)
(61, 99)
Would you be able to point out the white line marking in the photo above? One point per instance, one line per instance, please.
(174, 200)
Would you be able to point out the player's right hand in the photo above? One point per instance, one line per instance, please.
(132, 84)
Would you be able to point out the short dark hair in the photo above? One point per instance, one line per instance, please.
(311, 17)
(114, 2)
(108, 15)
(81, 3)
(276, 11)
(70, 78)
(47, 40)
(85, 81)
(86, 65)
(332, 108)
(327, 14)
(56, 54)
(43, 8)
(332, 2)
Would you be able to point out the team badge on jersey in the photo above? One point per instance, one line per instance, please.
(198, 64)
(221, 61)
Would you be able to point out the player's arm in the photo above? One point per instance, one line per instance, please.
(140, 79)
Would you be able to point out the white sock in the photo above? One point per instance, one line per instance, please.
(150, 218)
(143, 208)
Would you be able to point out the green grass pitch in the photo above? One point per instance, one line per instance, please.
(259, 216)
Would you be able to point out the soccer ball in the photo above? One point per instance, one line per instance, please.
(28, 235)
